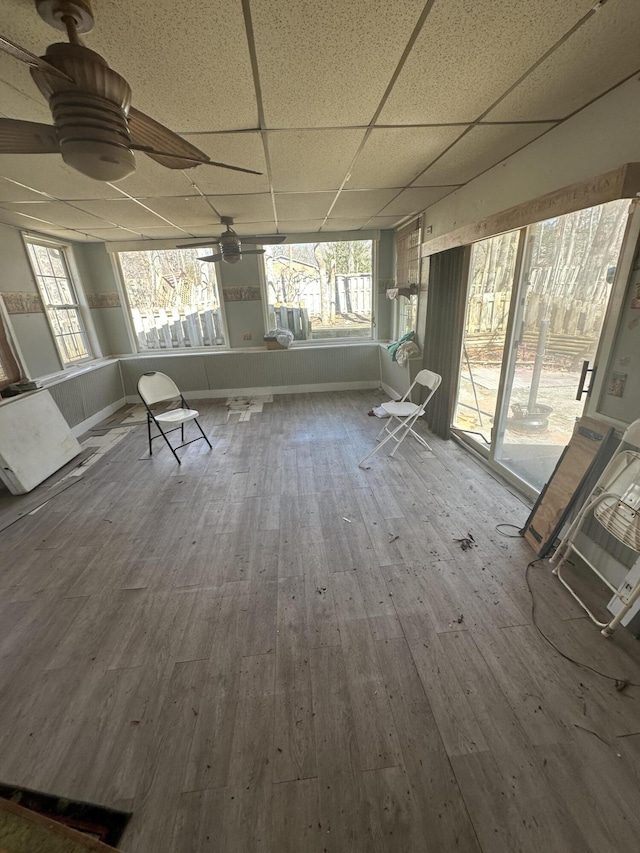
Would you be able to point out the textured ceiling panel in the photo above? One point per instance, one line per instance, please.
(15, 104)
(118, 235)
(384, 221)
(357, 203)
(187, 64)
(299, 226)
(416, 199)
(268, 227)
(58, 213)
(122, 211)
(236, 149)
(469, 53)
(353, 48)
(247, 208)
(392, 157)
(596, 57)
(303, 205)
(346, 224)
(16, 192)
(165, 233)
(151, 180)
(311, 160)
(47, 173)
(189, 210)
(481, 148)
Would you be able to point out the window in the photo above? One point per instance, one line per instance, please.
(320, 291)
(173, 299)
(407, 273)
(51, 271)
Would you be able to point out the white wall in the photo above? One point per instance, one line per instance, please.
(601, 137)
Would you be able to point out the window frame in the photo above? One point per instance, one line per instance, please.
(11, 361)
(411, 261)
(75, 288)
(296, 239)
(134, 342)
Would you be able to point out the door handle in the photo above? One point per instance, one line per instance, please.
(583, 378)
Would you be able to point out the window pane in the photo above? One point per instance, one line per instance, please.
(56, 289)
(491, 274)
(174, 298)
(320, 290)
(568, 272)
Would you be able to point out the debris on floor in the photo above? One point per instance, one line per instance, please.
(467, 542)
(393, 537)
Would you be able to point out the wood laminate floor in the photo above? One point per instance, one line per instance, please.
(269, 650)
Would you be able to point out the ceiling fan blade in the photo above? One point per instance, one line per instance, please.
(27, 137)
(265, 239)
(252, 251)
(24, 55)
(211, 258)
(203, 244)
(166, 147)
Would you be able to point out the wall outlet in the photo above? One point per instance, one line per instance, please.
(246, 336)
(428, 229)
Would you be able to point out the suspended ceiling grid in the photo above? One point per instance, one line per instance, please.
(359, 115)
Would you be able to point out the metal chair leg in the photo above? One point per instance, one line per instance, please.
(203, 434)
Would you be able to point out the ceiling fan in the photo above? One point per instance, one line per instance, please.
(95, 128)
(230, 244)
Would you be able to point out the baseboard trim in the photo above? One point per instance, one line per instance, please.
(390, 391)
(89, 423)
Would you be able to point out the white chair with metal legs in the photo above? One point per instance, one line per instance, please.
(615, 504)
(158, 388)
(404, 413)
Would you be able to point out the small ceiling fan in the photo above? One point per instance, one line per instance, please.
(95, 128)
(230, 244)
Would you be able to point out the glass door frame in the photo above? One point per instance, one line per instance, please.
(516, 313)
(513, 336)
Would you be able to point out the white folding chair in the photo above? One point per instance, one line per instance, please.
(405, 414)
(614, 503)
(155, 388)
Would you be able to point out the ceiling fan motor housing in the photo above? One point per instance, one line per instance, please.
(90, 115)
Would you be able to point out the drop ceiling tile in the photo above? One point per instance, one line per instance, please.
(350, 49)
(188, 65)
(114, 234)
(599, 55)
(468, 54)
(182, 211)
(56, 213)
(478, 150)
(247, 208)
(383, 222)
(303, 205)
(345, 224)
(237, 149)
(27, 106)
(311, 160)
(358, 203)
(121, 211)
(300, 226)
(415, 199)
(165, 233)
(241, 228)
(393, 157)
(10, 191)
(49, 174)
(151, 180)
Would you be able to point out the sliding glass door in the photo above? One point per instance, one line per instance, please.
(536, 307)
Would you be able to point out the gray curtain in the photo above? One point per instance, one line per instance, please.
(446, 306)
